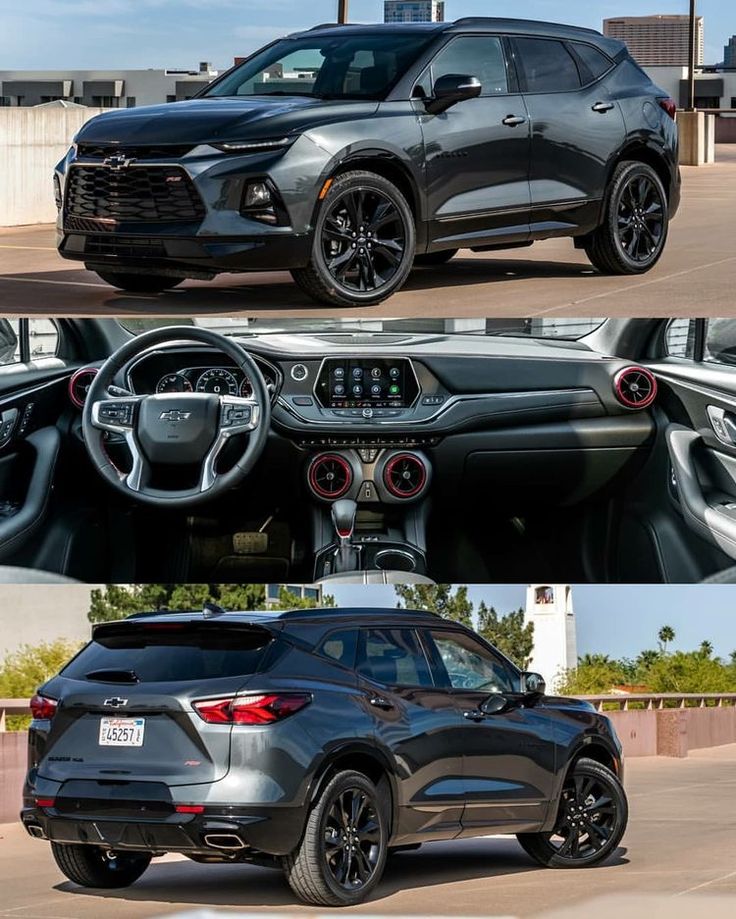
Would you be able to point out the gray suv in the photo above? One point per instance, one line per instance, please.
(347, 154)
(320, 741)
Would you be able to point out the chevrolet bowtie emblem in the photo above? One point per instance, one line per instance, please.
(117, 162)
(115, 702)
(174, 415)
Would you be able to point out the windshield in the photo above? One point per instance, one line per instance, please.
(362, 66)
(565, 329)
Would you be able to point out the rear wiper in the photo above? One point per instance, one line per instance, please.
(112, 676)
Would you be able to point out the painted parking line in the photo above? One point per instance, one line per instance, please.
(10, 277)
(30, 248)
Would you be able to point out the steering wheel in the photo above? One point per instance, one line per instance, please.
(175, 429)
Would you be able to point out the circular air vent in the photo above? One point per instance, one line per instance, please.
(635, 387)
(405, 475)
(79, 385)
(330, 476)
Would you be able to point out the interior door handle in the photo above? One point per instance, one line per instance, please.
(380, 702)
(723, 424)
(513, 121)
(603, 107)
(716, 524)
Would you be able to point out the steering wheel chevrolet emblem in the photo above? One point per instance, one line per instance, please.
(175, 416)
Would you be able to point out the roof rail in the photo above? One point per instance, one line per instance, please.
(482, 20)
(326, 25)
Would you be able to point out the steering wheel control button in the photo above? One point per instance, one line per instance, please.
(118, 412)
(236, 416)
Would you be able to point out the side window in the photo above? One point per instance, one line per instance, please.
(341, 647)
(478, 56)
(594, 62)
(547, 65)
(393, 657)
(469, 665)
(709, 340)
(25, 340)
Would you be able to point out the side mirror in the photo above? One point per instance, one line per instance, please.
(451, 89)
(494, 704)
(533, 684)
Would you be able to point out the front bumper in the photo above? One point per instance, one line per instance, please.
(273, 831)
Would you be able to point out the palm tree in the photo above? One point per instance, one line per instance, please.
(706, 648)
(665, 635)
(647, 658)
(593, 660)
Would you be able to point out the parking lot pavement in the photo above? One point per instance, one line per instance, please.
(696, 275)
(680, 849)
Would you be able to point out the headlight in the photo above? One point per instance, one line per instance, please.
(57, 192)
(255, 146)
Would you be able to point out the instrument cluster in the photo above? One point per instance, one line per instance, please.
(223, 381)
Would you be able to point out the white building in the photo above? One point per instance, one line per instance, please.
(30, 615)
(102, 88)
(656, 40)
(414, 11)
(550, 608)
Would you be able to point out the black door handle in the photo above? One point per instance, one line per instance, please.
(603, 107)
(380, 702)
(474, 715)
(513, 121)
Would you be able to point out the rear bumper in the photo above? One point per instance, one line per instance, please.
(222, 830)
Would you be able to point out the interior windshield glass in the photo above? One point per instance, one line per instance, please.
(565, 329)
(352, 67)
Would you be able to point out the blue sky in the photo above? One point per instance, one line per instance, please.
(48, 34)
(617, 620)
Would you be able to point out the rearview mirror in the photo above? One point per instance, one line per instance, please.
(451, 89)
(533, 684)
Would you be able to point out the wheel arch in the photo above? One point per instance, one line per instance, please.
(642, 152)
(363, 758)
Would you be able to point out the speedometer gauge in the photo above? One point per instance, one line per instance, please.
(173, 382)
(218, 381)
(246, 388)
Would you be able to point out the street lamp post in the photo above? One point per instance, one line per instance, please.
(693, 55)
(342, 11)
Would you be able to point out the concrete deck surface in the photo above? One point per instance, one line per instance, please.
(679, 854)
(696, 276)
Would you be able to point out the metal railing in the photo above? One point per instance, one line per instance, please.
(661, 700)
(13, 707)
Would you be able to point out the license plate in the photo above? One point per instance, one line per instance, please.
(122, 732)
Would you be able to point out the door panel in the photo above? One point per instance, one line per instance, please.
(477, 166)
(574, 134)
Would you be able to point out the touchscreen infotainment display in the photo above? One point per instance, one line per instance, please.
(360, 382)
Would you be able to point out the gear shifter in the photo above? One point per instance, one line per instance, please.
(343, 519)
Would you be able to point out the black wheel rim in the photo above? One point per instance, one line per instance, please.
(587, 818)
(641, 219)
(363, 240)
(352, 839)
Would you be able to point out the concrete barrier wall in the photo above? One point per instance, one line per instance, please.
(674, 731)
(32, 141)
(12, 773)
(710, 727)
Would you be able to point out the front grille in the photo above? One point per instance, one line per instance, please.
(135, 193)
(125, 246)
(160, 152)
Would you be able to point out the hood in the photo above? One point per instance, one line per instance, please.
(207, 120)
(563, 702)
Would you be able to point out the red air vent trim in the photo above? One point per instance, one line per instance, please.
(319, 481)
(91, 372)
(635, 387)
(392, 469)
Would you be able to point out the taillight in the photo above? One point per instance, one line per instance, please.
(45, 802)
(669, 106)
(262, 709)
(43, 708)
(189, 808)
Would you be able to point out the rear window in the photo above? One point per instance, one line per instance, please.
(394, 657)
(594, 62)
(166, 655)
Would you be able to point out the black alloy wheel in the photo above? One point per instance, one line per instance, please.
(591, 820)
(352, 839)
(364, 242)
(641, 218)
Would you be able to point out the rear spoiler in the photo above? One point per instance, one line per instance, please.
(141, 625)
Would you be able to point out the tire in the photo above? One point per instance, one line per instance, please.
(89, 866)
(435, 259)
(597, 837)
(308, 869)
(339, 272)
(613, 247)
(139, 283)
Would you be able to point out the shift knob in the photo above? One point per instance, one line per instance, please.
(343, 518)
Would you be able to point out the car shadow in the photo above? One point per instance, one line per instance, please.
(186, 883)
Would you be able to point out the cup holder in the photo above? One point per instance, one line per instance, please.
(395, 560)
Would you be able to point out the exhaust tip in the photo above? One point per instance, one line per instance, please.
(36, 831)
(223, 841)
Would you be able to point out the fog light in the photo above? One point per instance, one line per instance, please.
(257, 194)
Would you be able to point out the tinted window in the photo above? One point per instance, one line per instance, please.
(711, 340)
(479, 56)
(680, 338)
(170, 655)
(720, 341)
(394, 657)
(595, 62)
(547, 66)
(469, 665)
(340, 646)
